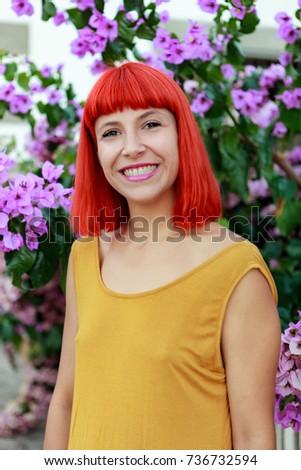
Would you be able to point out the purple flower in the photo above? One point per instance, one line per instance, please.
(206, 52)
(2, 69)
(290, 99)
(191, 87)
(246, 101)
(60, 18)
(52, 172)
(7, 92)
(294, 155)
(31, 240)
(228, 71)
(162, 38)
(258, 188)
(20, 104)
(174, 53)
(295, 345)
(22, 7)
(79, 47)
(239, 11)
(279, 130)
(287, 32)
(158, 2)
(46, 71)
(19, 202)
(264, 116)
(296, 378)
(66, 198)
(11, 241)
(5, 164)
(36, 222)
(97, 67)
(271, 75)
(285, 58)
(201, 104)
(164, 16)
(209, 6)
(299, 3)
(3, 221)
(54, 96)
(84, 4)
(282, 17)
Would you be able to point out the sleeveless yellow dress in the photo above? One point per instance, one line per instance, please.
(149, 372)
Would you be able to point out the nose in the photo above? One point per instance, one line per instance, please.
(132, 146)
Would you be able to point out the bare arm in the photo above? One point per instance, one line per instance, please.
(250, 347)
(59, 414)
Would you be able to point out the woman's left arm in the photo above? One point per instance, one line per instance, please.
(250, 348)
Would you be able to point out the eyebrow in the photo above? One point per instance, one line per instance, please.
(142, 116)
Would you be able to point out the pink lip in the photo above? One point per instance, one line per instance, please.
(140, 177)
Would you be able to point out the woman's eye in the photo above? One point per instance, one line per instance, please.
(110, 133)
(151, 124)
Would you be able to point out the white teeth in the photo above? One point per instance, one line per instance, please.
(142, 170)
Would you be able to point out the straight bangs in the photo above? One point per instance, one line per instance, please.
(137, 87)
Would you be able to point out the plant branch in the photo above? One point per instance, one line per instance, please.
(287, 168)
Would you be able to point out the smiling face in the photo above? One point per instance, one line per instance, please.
(138, 152)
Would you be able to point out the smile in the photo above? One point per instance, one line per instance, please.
(140, 173)
(142, 170)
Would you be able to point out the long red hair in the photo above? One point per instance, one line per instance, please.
(138, 86)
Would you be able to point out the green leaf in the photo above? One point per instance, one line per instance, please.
(43, 269)
(145, 32)
(23, 80)
(281, 188)
(137, 5)
(3, 108)
(293, 248)
(289, 218)
(100, 4)
(235, 161)
(80, 19)
(20, 262)
(10, 71)
(235, 55)
(290, 117)
(249, 23)
(48, 10)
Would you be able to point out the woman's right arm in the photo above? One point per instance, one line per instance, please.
(59, 413)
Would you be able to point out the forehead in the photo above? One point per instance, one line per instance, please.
(128, 114)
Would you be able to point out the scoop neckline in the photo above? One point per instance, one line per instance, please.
(167, 285)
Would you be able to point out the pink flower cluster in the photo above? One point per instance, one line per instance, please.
(45, 139)
(195, 45)
(23, 197)
(25, 412)
(40, 309)
(288, 383)
(22, 7)
(18, 103)
(286, 29)
(94, 37)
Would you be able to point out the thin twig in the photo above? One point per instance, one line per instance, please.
(287, 168)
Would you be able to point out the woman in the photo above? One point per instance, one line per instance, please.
(172, 335)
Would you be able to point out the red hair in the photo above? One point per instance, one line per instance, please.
(137, 86)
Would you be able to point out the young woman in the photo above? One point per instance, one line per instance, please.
(172, 335)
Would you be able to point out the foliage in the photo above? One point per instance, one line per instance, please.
(288, 386)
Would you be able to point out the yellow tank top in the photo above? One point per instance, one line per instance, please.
(149, 373)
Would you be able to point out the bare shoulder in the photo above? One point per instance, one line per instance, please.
(216, 237)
